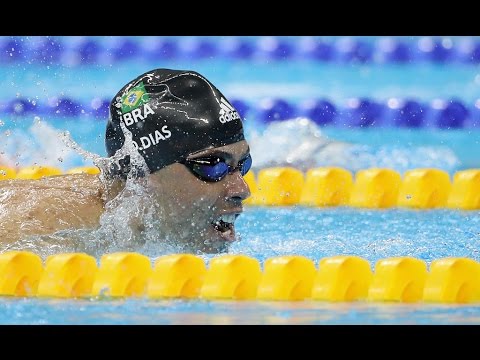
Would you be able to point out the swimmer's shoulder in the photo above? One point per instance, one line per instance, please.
(85, 184)
(50, 204)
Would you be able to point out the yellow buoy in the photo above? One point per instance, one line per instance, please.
(122, 274)
(424, 189)
(177, 275)
(465, 192)
(279, 186)
(326, 186)
(287, 278)
(342, 278)
(37, 172)
(20, 272)
(232, 277)
(453, 280)
(399, 279)
(7, 173)
(84, 170)
(68, 275)
(375, 188)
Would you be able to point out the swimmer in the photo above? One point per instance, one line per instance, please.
(174, 133)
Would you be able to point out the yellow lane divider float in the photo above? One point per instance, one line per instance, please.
(398, 279)
(84, 170)
(177, 275)
(287, 278)
(20, 272)
(239, 277)
(7, 173)
(342, 278)
(68, 275)
(232, 277)
(122, 274)
(371, 188)
(328, 186)
(375, 188)
(37, 172)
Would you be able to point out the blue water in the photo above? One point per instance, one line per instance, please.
(181, 312)
(267, 232)
(376, 234)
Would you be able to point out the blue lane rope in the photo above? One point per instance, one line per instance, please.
(74, 51)
(355, 112)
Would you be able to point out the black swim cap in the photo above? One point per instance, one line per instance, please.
(171, 114)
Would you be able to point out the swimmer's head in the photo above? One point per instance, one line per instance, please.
(192, 141)
(171, 114)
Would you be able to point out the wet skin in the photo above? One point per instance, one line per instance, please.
(192, 205)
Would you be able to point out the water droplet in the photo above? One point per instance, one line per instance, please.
(18, 108)
(7, 132)
(60, 159)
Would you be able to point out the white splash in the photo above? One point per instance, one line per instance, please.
(300, 143)
(41, 144)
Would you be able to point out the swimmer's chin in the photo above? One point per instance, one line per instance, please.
(208, 246)
(205, 241)
(216, 247)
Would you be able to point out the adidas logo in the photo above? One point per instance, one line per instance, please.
(227, 112)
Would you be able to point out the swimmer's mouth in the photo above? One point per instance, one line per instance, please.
(225, 225)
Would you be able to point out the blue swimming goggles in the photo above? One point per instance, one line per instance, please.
(214, 169)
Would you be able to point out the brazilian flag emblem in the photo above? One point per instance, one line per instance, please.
(134, 98)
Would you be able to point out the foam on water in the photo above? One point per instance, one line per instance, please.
(300, 143)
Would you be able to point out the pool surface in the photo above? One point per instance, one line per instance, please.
(182, 312)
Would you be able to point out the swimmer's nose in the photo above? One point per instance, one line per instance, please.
(237, 187)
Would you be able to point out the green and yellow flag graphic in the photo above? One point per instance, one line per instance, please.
(134, 98)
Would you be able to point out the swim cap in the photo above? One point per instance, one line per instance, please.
(171, 114)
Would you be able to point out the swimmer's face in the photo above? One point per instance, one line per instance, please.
(198, 213)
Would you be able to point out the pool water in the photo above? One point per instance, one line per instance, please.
(183, 312)
(272, 231)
